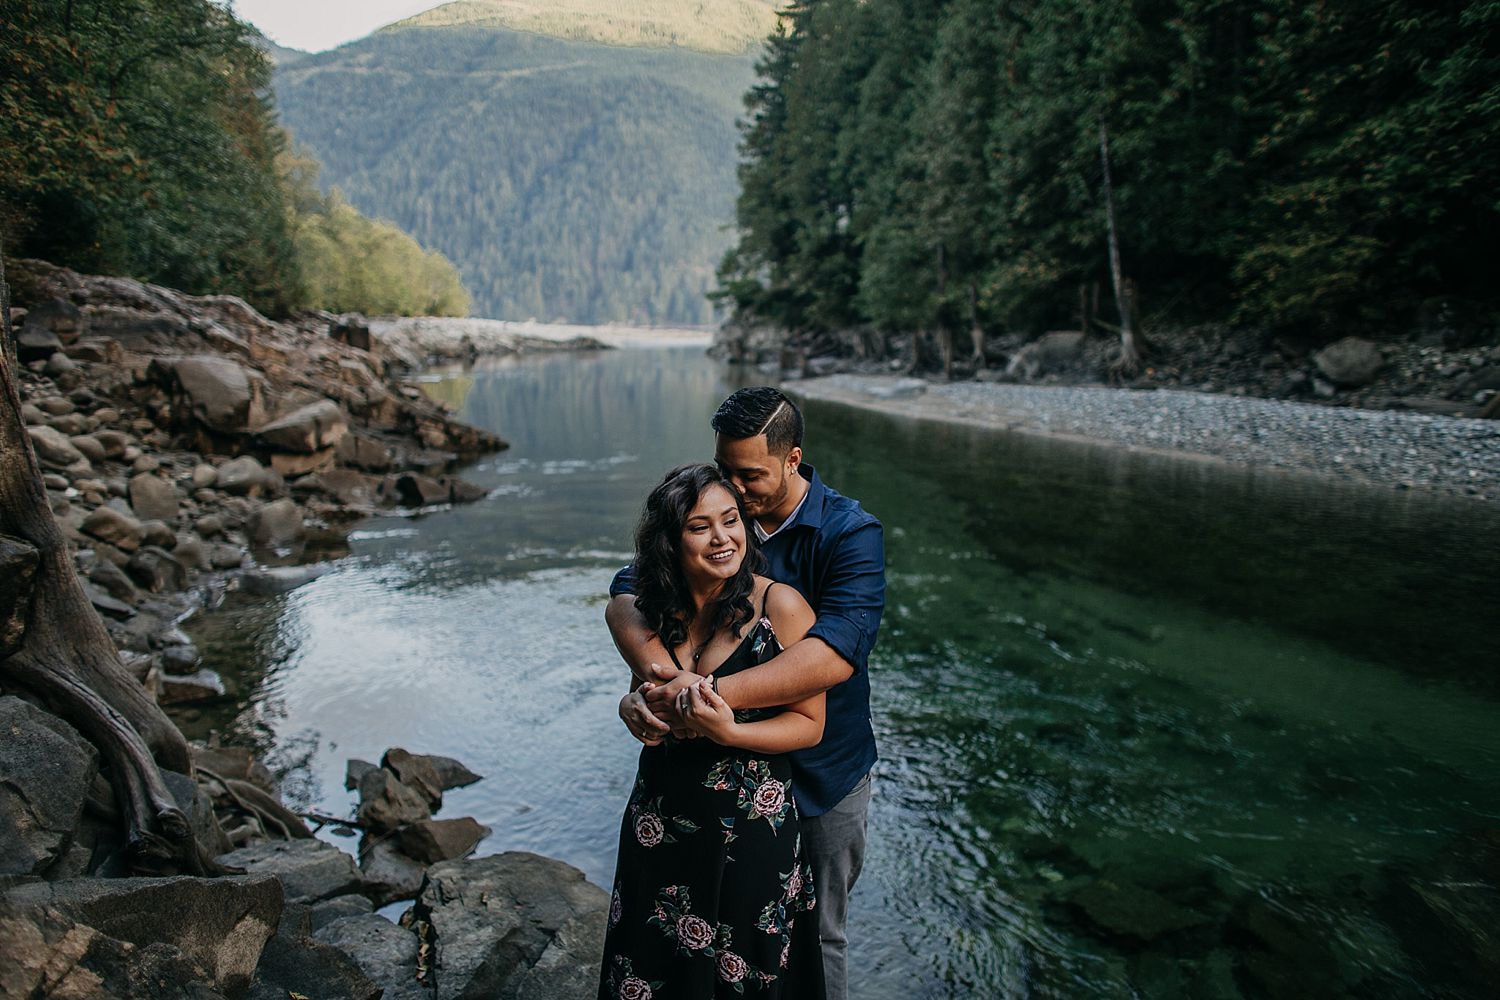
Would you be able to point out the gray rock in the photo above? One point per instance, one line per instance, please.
(324, 913)
(89, 446)
(219, 925)
(389, 875)
(219, 392)
(157, 570)
(570, 966)
(18, 565)
(118, 529)
(222, 555)
(113, 581)
(204, 476)
(350, 488)
(45, 771)
(363, 452)
(309, 870)
(56, 406)
(496, 918)
(209, 525)
(157, 533)
(1126, 910)
(55, 451)
(308, 429)
(272, 580)
(1349, 362)
(181, 661)
(154, 498)
(434, 840)
(34, 344)
(70, 424)
(416, 773)
(901, 388)
(191, 552)
(276, 525)
(114, 442)
(451, 773)
(385, 804)
(355, 770)
(201, 685)
(57, 316)
(243, 476)
(295, 965)
(59, 363)
(1049, 353)
(384, 952)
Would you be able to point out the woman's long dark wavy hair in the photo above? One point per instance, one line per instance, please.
(661, 589)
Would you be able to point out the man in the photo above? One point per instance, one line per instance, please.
(826, 546)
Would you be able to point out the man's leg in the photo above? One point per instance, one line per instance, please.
(836, 844)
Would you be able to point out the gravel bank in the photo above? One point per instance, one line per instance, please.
(1381, 447)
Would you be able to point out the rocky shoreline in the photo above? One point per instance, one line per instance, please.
(1381, 448)
(190, 446)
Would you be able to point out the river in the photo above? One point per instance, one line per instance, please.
(1148, 727)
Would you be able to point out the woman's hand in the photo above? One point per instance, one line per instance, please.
(643, 725)
(705, 713)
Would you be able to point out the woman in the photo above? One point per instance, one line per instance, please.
(712, 893)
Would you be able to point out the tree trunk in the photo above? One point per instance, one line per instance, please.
(976, 332)
(68, 659)
(1130, 348)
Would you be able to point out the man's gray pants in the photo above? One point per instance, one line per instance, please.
(836, 845)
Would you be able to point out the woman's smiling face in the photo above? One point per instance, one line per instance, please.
(713, 538)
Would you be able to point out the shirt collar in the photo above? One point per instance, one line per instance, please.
(809, 510)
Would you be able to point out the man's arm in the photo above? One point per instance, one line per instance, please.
(848, 610)
(642, 651)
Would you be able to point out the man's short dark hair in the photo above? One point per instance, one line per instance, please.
(760, 409)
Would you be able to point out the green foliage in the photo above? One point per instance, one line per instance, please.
(566, 180)
(921, 164)
(139, 141)
(353, 264)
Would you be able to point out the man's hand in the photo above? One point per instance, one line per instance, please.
(662, 700)
(638, 718)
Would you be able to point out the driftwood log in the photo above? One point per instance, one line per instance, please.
(66, 658)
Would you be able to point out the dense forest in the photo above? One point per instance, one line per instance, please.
(140, 139)
(964, 168)
(567, 180)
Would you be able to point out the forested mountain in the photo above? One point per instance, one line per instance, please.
(566, 179)
(952, 166)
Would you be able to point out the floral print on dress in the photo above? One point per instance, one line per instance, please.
(711, 887)
(760, 795)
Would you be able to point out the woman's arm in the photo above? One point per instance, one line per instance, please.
(799, 726)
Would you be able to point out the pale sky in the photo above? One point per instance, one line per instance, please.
(315, 25)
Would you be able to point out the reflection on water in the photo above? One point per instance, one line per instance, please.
(1147, 727)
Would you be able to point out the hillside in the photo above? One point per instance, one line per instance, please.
(726, 26)
(567, 180)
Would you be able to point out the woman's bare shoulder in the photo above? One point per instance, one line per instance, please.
(786, 608)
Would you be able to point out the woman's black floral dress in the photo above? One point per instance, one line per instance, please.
(712, 894)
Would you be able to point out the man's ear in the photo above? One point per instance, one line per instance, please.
(794, 458)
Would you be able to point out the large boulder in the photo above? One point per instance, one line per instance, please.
(217, 925)
(513, 925)
(295, 965)
(1350, 362)
(363, 452)
(434, 840)
(243, 476)
(308, 429)
(309, 870)
(389, 875)
(387, 954)
(154, 498)
(385, 804)
(1050, 352)
(45, 771)
(275, 525)
(220, 393)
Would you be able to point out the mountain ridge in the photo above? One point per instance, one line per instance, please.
(727, 27)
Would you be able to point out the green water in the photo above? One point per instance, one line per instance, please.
(1147, 728)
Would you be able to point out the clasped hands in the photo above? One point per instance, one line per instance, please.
(678, 702)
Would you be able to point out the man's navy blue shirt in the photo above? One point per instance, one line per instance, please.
(833, 552)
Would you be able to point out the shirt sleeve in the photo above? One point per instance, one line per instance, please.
(623, 583)
(854, 595)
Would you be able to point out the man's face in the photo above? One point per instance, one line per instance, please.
(761, 477)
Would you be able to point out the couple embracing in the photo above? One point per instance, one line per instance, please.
(747, 619)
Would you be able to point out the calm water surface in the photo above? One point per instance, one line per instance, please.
(1147, 728)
